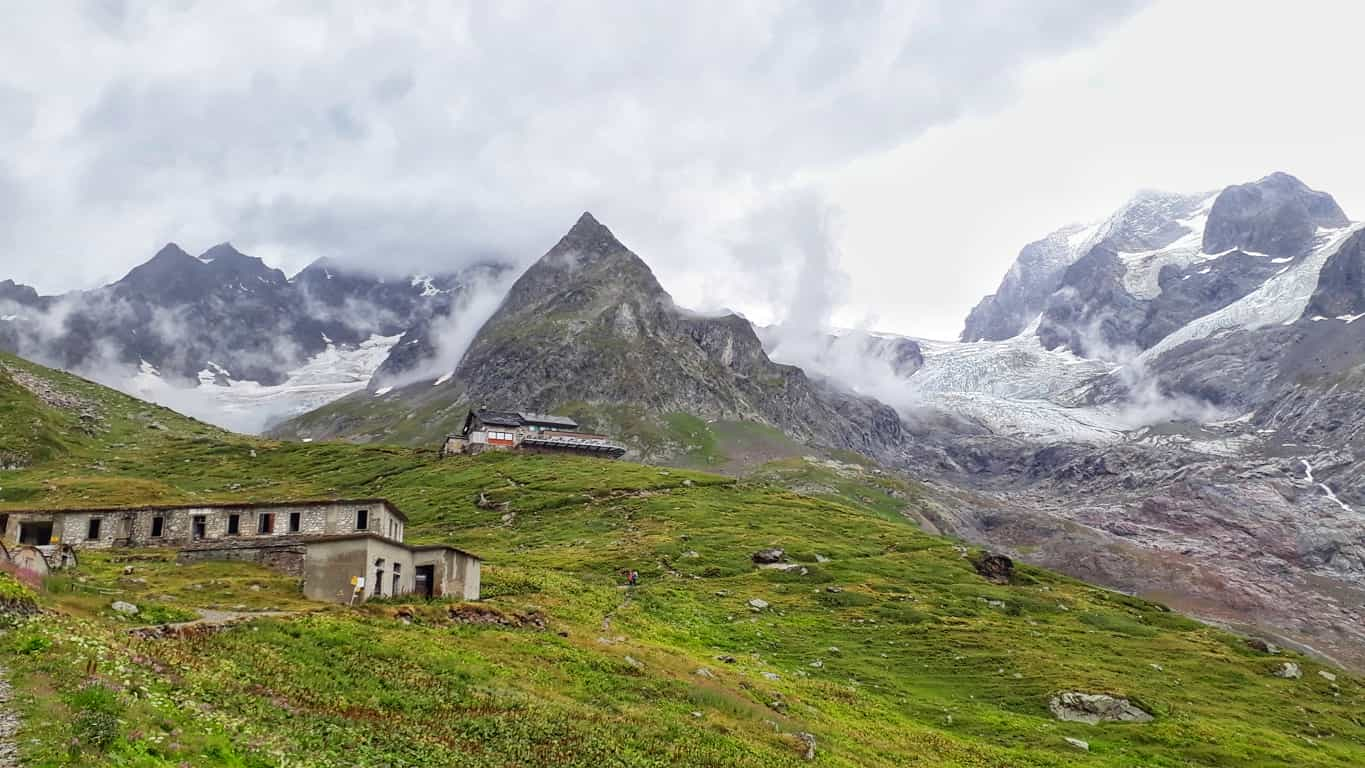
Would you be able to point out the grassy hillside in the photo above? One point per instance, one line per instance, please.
(883, 644)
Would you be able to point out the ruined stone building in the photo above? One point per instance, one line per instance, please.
(340, 549)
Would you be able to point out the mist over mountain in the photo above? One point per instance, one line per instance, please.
(227, 338)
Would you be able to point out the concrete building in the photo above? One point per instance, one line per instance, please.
(340, 549)
(531, 432)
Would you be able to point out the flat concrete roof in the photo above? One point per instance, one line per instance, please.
(216, 504)
(292, 540)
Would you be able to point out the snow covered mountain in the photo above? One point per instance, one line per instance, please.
(224, 337)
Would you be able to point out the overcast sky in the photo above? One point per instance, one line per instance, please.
(855, 163)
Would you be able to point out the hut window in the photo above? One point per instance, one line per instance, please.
(265, 523)
(295, 522)
(92, 531)
(234, 525)
(158, 527)
(362, 520)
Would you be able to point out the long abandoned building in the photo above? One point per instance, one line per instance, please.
(342, 550)
(485, 430)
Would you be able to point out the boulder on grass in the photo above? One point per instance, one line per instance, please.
(768, 556)
(1094, 708)
(997, 569)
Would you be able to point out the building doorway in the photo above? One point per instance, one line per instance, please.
(424, 578)
(199, 527)
(37, 534)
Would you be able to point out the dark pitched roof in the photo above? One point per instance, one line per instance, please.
(548, 420)
(500, 418)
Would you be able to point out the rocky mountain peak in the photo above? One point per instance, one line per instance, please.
(588, 268)
(17, 292)
(1277, 215)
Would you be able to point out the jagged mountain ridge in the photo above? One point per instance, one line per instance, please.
(589, 324)
(227, 321)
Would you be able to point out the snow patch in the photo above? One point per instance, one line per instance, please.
(443, 379)
(9, 318)
(248, 406)
(428, 288)
(1281, 299)
(382, 391)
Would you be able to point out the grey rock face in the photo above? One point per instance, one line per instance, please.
(1023, 293)
(1094, 708)
(1341, 284)
(1277, 215)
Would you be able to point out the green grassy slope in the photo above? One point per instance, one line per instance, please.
(888, 648)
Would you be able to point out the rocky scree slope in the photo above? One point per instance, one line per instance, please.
(588, 324)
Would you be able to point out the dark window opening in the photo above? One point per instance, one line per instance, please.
(265, 523)
(425, 580)
(199, 527)
(397, 578)
(234, 525)
(158, 527)
(362, 520)
(92, 531)
(379, 581)
(37, 534)
(295, 522)
(4, 525)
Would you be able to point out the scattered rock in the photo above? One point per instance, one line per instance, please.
(1289, 671)
(834, 590)
(726, 659)
(688, 483)
(808, 741)
(691, 554)
(466, 613)
(1093, 708)
(771, 676)
(127, 570)
(821, 559)
(1078, 744)
(996, 569)
(1264, 646)
(768, 556)
(127, 609)
(706, 673)
(1328, 676)
(634, 662)
(817, 664)
(778, 705)
(758, 604)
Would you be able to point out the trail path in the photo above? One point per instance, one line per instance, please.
(9, 725)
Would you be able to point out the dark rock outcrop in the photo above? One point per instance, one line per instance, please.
(1341, 284)
(1277, 215)
(997, 569)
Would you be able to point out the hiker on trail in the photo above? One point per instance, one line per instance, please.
(633, 578)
